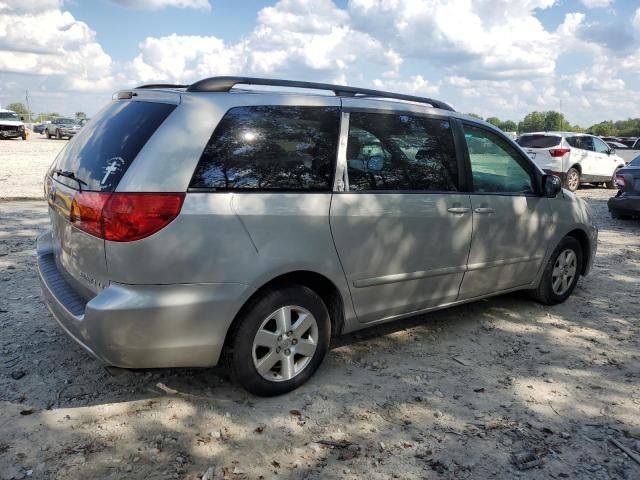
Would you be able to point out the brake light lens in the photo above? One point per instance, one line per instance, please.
(621, 184)
(124, 217)
(559, 152)
(86, 212)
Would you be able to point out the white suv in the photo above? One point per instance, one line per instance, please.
(576, 158)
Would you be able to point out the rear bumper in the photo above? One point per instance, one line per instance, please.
(143, 326)
(625, 204)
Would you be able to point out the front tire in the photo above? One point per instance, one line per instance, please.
(58, 135)
(279, 341)
(48, 134)
(561, 273)
(573, 179)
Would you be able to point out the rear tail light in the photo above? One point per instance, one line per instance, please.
(124, 217)
(620, 182)
(86, 212)
(559, 152)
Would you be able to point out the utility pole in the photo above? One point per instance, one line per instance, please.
(26, 92)
(561, 117)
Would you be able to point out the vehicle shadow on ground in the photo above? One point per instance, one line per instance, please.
(452, 394)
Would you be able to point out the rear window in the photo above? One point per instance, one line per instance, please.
(539, 141)
(267, 148)
(103, 149)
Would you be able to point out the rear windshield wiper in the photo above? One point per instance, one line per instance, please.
(71, 175)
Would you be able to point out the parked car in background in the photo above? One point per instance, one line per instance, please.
(62, 127)
(618, 146)
(41, 127)
(11, 126)
(201, 223)
(577, 158)
(629, 141)
(626, 203)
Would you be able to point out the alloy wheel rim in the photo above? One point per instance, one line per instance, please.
(573, 180)
(564, 271)
(285, 343)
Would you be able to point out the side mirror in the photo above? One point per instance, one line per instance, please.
(552, 185)
(375, 164)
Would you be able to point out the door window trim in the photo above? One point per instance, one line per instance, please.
(463, 184)
(523, 160)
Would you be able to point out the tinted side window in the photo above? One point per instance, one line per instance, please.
(581, 142)
(271, 148)
(599, 146)
(495, 165)
(400, 152)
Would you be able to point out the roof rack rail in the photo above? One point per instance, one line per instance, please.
(224, 84)
(160, 85)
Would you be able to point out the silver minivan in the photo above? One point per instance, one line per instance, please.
(193, 225)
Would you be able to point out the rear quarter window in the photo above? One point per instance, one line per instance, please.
(105, 147)
(264, 148)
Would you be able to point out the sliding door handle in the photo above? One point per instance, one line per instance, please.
(458, 209)
(484, 210)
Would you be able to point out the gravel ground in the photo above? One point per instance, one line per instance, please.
(455, 394)
(24, 165)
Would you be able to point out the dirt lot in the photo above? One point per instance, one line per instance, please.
(447, 395)
(24, 165)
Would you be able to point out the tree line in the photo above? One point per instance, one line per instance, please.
(555, 121)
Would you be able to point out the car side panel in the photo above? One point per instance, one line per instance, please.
(242, 238)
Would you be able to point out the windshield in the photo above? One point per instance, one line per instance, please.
(539, 141)
(9, 116)
(66, 120)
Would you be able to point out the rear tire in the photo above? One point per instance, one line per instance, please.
(561, 273)
(269, 355)
(573, 179)
(58, 135)
(48, 134)
(611, 184)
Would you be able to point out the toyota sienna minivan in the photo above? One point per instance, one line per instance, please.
(193, 225)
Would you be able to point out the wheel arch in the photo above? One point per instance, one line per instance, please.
(583, 239)
(320, 284)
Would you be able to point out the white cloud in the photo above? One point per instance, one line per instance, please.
(416, 85)
(484, 39)
(158, 4)
(28, 6)
(636, 20)
(53, 43)
(596, 3)
(492, 57)
(302, 38)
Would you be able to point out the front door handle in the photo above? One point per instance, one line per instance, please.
(458, 209)
(484, 210)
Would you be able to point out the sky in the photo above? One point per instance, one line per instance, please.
(501, 58)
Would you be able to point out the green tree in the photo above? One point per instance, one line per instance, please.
(553, 121)
(533, 122)
(509, 126)
(20, 109)
(603, 129)
(495, 121)
(80, 115)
